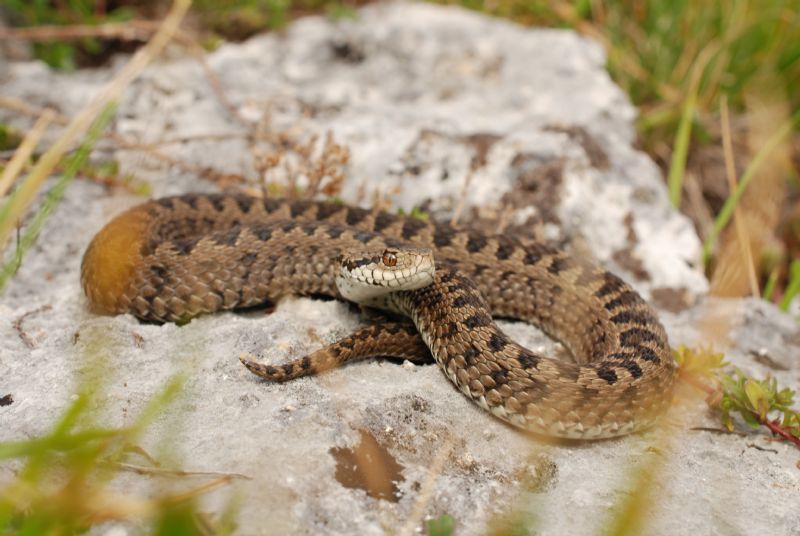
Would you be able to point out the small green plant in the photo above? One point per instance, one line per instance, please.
(415, 212)
(758, 402)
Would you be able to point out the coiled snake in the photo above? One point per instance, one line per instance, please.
(175, 258)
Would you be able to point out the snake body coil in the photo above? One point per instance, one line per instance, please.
(175, 258)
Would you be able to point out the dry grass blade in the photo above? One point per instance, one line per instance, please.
(742, 236)
(143, 470)
(24, 151)
(22, 198)
(121, 30)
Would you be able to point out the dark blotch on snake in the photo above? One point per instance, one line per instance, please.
(611, 285)
(442, 237)
(411, 227)
(634, 336)
(497, 342)
(633, 317)
(470, 354)
(271, 205)
(527, 359)
(531, 257)
(468, 300)
(191, 200)
(363, 236)
(607, 374)
(557, 265)
(245, 203)
(625, 299)
(646, 353)
(355, 216)
(326, 210)
(228, 238)
(383, 220)
(479, 269)
(218, 202)
(476, 243)
(262, 232)
(504, 250)
(298, 208)
(185, 245)
(336, 231)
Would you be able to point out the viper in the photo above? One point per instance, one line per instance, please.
(171, 259)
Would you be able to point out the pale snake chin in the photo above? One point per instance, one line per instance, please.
(175, 258)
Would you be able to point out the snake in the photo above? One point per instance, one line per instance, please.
(174, 258)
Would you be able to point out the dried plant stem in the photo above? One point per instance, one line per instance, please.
(777, 429)
(18, 203)
(143, 470)
(114, 30)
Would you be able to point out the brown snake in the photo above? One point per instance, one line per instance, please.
(175, 258)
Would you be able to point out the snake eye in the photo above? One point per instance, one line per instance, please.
(389, 259)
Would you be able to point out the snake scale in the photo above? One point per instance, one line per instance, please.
(178, 257)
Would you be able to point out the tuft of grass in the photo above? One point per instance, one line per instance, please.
(725, 214)
(73, 164)
(13, 210)
(65, 55)
(63, 485)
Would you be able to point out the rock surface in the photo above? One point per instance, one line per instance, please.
(468, 117)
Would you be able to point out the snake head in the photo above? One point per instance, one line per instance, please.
(365, 275)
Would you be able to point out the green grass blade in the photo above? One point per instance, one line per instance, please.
(680, 152)
(793, 288)
(769, 288)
